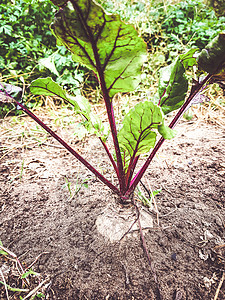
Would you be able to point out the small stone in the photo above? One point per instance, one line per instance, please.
(174, 256)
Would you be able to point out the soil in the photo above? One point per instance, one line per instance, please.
(185, 233)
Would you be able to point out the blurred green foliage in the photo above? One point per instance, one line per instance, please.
(28, 48)
(190, 23)
(218, 6)
(169, 28)
(186, 23)
(25, 35)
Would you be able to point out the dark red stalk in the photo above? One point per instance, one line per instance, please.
(131, 166)
(107, 99)
(110, 113)
(110, 157)
(72, 151)
(107, 151)
(130, 171)
(195, 90)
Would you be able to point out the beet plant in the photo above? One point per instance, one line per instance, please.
(115, 53)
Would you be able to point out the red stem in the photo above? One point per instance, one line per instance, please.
(107, 99)
(130, 171)
(110, 113)
(110, 157)
(71, 150)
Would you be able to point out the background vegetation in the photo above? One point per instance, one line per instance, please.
(28, 49)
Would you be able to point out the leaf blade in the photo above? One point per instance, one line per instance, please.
(173, 86)
(188, 58)
(48, 87)
(84, 27)
(211, 58)
(166, 132)
(136, 136)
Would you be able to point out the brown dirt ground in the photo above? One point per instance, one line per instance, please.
(187, 247)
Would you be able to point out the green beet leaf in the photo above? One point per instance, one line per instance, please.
(166, 132)
(136, 136)
(101, 42)
(173, 86)
(48, 87)
(211, 58)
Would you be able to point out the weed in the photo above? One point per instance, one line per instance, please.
(77, 188)
(68, 185)
(17, 287)
(147, 201)
(21, 171)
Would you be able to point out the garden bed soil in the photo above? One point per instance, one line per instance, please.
(82, 259)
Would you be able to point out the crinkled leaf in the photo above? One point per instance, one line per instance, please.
(136, 136)
(48, 87)
(101, 42)
(9, 93)
(188, 58)
(173, 86)
(212, 57)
